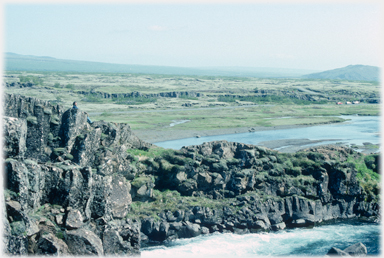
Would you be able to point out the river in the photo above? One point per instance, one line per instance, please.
(357, 130)
(291, 242)
(300, 241)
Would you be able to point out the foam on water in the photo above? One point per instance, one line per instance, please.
(303, 242)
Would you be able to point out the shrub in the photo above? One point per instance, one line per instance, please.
(30, 78)
(140, 181)
(295, 171)
(152, 152)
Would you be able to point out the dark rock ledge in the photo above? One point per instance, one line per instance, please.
(76, 189)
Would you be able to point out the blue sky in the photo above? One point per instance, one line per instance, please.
(298, 36)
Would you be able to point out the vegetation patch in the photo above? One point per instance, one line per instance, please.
(168, 200)
(30, 78)
(134, 100)
(140, 181)
(94, 99)
(151, 153)
(269, 99)
(369, 179)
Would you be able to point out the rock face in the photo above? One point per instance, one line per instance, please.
(76, 189)
(268, 190)
(173, 94)
(19, 84)
(66, 181)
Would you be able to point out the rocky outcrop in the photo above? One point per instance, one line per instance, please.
(260, 189)
(57, 135)
(73, 199)
(19, 84)
(72, 188)
(66, 181)
(135, 94)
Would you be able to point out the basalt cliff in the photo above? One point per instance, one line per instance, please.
(71, 188)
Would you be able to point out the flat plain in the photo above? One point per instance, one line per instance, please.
(165, 107)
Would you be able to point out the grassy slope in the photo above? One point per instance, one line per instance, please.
(351, 72)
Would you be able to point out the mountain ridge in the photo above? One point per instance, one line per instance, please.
(351, 72)
(19, 62)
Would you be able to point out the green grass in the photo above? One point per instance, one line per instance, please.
(275, 99)
(140, 181)
(30, 78)
(368, 179)
(187, 97)
(213, 87)
(134, 100)
(172, 201)
(240, 117)
(153, 152)
(94, 99)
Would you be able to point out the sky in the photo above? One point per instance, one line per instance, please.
(315, 36)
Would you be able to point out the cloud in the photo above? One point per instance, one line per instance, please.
(157, 28)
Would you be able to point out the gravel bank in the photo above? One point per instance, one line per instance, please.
(168, 134)
(284, 145)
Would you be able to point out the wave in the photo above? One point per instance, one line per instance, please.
(300, 241)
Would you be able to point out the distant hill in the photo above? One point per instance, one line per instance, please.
(350, 72)
(16, 62)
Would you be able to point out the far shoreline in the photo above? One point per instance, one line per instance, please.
(156, 136)
(283, 145)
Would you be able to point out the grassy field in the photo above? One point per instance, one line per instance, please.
(224, 103)
(239, 117)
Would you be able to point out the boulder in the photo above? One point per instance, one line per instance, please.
(49, 244)
(336, 251)
(279, 226)
(189, 230)
(113, 243)
(358, 249)
(83, 242)
(74, 219)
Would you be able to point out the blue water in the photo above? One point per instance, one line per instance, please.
(301, 242)
(358, 130)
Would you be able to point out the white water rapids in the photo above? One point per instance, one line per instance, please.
(300, 241)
